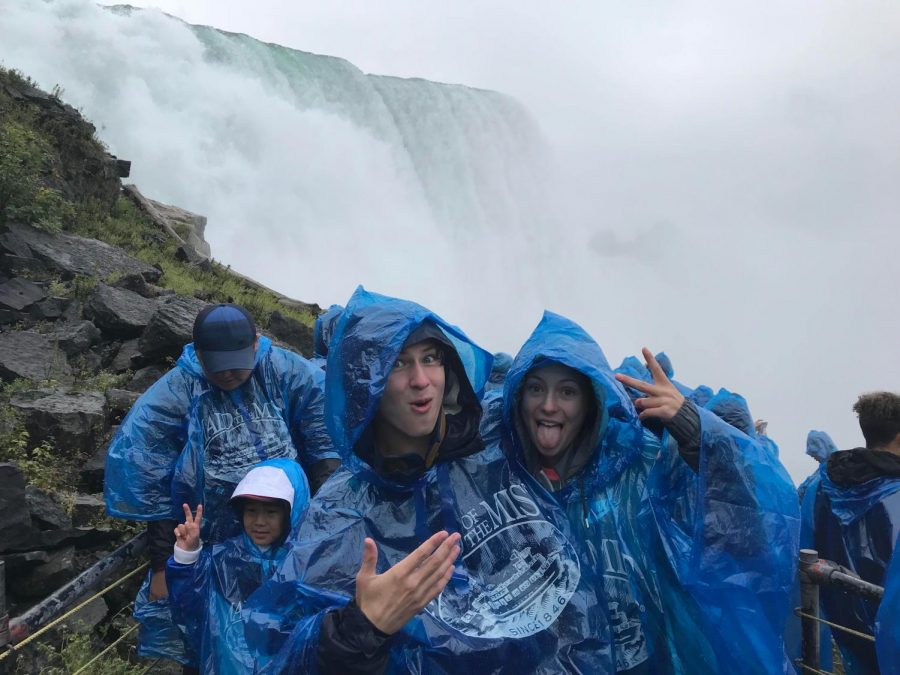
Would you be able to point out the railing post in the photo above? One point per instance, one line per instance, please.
(4, 614)
(809, 604)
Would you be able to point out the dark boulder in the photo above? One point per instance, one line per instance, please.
(75, 337)
(15, 521)
(13, 244)
(50, 309)
(292, 332)
(91, 475)
(14, 266)
(77, 256)
(32, 356)
(18, 294)
(45, 578)
(144, 378)
(73, 421)
(88, 510)
(127, 356)
(120, 401)
(171, 327)
(24, 561)
(137, 284)
(46, 512)
(119, 313)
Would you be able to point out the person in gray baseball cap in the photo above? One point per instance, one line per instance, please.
(232, 400)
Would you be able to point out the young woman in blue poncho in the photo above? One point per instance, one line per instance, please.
(692, 523)
(208, 585)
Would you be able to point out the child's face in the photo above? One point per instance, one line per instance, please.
(263, 521)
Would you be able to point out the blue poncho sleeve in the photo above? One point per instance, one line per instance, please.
(189, 597)
(302, 384)
(887, 622)
(731, 532)
(141, 459)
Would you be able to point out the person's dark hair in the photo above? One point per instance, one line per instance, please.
(879, 417)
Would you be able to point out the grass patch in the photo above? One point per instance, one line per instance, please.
(77, 648)
(129, 228)
(31, 144)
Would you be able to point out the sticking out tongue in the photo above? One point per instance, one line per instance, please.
(548, 437)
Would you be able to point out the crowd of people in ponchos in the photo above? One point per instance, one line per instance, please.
(406, 502)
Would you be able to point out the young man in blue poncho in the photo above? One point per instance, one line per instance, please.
(851, 516)
(232, 400)
(497, 586)
(692, 523)
(209, 584)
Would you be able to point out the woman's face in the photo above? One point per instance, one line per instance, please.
(553, 408)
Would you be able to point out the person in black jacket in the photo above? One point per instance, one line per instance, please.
(854, 512)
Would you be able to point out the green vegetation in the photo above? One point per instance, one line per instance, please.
(77, 648)
(127, 227)
(30, 147)
(24, 161)
(41, 465)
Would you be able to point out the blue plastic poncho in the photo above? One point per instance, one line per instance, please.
(887, 621)
(502, 362)
(697, 567)
(206, 597)
(733, 408)
(518, 601)
(323, 330)
(820, 447)
(854, 526)
(186, 441)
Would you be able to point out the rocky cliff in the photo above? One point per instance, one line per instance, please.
(99, 287)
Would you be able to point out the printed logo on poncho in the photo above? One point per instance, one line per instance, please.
(521, 570)
(240, 436)
(624, 610)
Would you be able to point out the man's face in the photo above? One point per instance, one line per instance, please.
(412, 397)
(227, 380)
(263, 521)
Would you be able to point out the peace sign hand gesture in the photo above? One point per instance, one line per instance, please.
(187, 535)
(663, 400)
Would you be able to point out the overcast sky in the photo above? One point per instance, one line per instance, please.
(733, 166)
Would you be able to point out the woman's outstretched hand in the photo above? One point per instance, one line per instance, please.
(662, 400)
(391, 599)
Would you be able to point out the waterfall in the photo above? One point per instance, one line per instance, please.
(315, 176)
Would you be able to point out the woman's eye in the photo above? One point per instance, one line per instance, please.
(569, 392)
(431, 360)
(533, 388)
(399, 363)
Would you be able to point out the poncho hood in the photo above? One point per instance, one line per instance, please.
(857, 480)
(323, 330)
(368, 337)
(616, 435)
(819, 445)
(277, 479)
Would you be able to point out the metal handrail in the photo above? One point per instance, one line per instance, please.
(815, 572)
